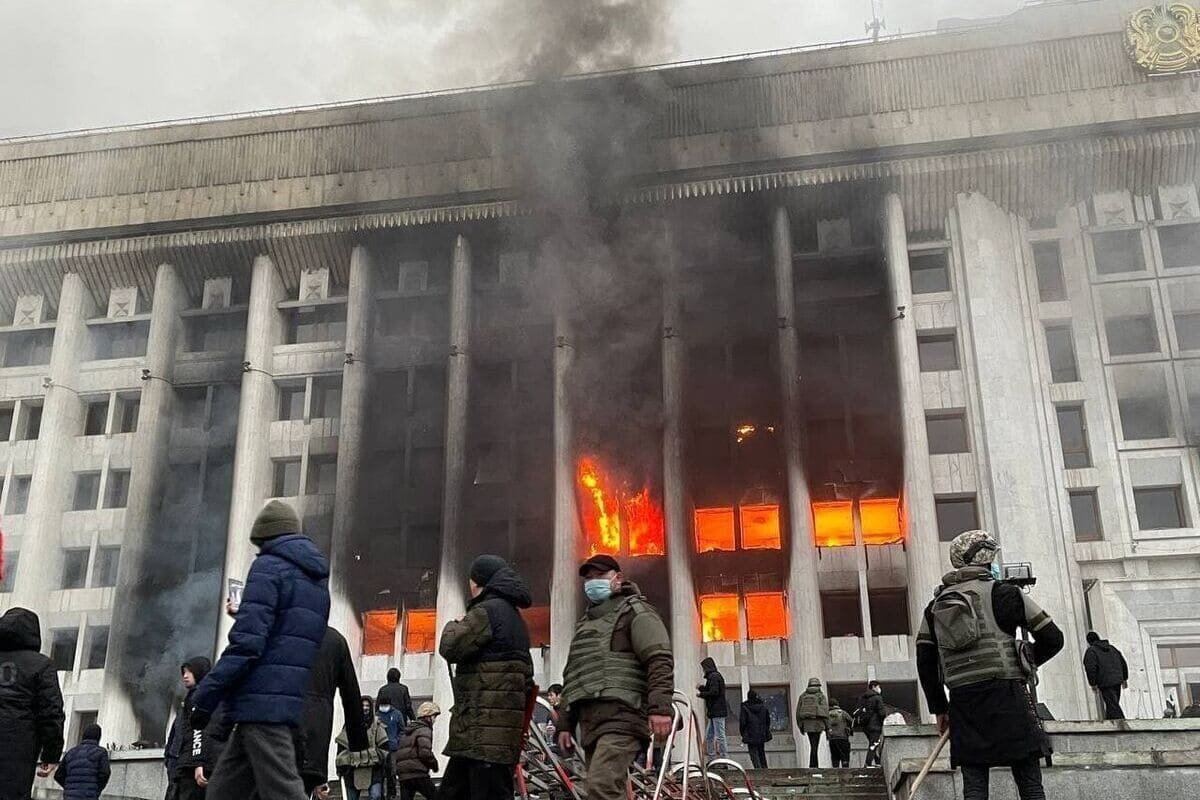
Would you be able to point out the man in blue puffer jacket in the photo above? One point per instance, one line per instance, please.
(263, 673)
(84, 771)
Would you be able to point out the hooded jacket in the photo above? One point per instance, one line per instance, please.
(713, 691)
(395, 694)
(263, 674)
(870, 713)
(1104, 665)
(84, 771)
(31, 703)
(178, 751)
(755, 720)
(489, 647)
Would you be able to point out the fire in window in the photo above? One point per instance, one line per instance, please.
(719, 617)
(379, 632)
(833, 523)
(617, 518)
(714, 530)
(881, 520)
(766, 615)
(760, 527)
(420, 630)
(537, 620)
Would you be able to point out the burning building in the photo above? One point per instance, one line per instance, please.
(801, 320)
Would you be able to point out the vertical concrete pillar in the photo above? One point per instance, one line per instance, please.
(251, 461)
(62, 420)
(806, 638)
(564, 578)
(356, 377)
(146, 483)
(684, 614)
(452, 588)
(999, 342)
(919, 515)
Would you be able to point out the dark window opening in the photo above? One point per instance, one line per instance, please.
(104, 570)
(7, 413)
(1060, 348)
(95, 421)
(955, 515)
(316, 324)
(327, 398)
(28, 348)
(841, 614)
(1072, 432)
(128, 409)
(74, 569)
(9, 579)
(119, 340)
(287, 478)
(947, 432)
(930, 272)
(116, 492)
(1085, 515)
(889, 612)
(87, 491)
(96, 647)
(29, 426)
(18, 494)
(1159, 508)
(322, 475)
(1047, 262)
(62, 648)
(937, 352)
(1118, 251)
(291, 402)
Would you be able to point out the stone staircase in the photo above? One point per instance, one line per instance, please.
(819, 784)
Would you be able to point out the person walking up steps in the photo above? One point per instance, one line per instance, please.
(755, 724)
(841, 726)
(812, 717)
(1107, 673)
(415, 758)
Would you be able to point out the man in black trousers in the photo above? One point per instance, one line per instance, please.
(1107, 673)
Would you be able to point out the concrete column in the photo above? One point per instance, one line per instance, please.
(806, 639)
(1001, 358)
(146, 484)
(452, 583)
(251, 461)
(62, 420)
(684, 615)
(356, 378)
(918, 512)
(564, 576)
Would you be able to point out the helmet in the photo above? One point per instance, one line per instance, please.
(428, 709)
(973, 549)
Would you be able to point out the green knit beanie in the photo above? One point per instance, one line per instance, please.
(276, 519)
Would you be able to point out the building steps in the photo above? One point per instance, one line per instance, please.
(835, 784)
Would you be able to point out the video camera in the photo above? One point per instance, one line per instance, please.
(1019, 575)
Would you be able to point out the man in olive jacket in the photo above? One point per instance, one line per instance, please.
(494, 677)
(619, 678)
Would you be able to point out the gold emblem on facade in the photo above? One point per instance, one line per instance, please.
(1165, 38)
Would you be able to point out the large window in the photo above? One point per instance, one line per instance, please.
(87, 491)
(327, 398)
(18, 494)
(841, 614)
(291, 401)
(1085, 515)
(95, 648)
(28, 348)
(29, 425)
(1072, 432)
(95, 420)
(1118, 251)
(317, 324)
(1047, 262)
(889, 612)
(1159, 507)
(719, 617)
(1143, 404)
(1060, 348)
(420, 630)
(322, 475)
(1180, 245)
(379, 632)
(128, 408)
(1131, 335)
(116, 492)
(104, 570)
(120, 339)
(63, 642)
(287, 478)
(74, 568)
(716, 529)
(766, 615)
(954, 516)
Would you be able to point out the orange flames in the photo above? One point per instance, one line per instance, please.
(617, 519)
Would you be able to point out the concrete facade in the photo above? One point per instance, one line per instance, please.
(340, 304)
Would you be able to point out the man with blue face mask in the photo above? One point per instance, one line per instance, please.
(619, 679)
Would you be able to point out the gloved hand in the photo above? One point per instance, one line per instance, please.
(199, 719)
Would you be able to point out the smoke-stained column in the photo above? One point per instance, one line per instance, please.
(997, 336)
(564, 576)
(146, 482)
(685, 617)
(62, 420)
(451, 594)
(356, 376)
(251, 461)
(920, 516)
(806, 642)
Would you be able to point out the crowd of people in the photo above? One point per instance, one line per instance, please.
(259, 722)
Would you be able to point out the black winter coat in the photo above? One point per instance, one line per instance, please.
(31, 703)
(870, 712)
(1104, 665)
(184, 746)
(397, 696)
(333, 671)
(489, 649)
(755, 721)
(713, 691)
(84, 771)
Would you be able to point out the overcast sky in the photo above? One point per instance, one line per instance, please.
(71, 64)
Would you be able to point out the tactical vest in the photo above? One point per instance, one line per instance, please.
(992, 656)
(594, 671)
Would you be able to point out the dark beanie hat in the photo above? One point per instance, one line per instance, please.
(1093, 637)
(276, 519)
(484, 567)
(91, 733)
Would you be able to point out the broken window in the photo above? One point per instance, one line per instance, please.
(760, 527)
(420, 630)
(719, 617)
(880, 519)
(833, 523)
(889, 611)
(766, 615)
(714, 529)
(379, 632)
(841, 614)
